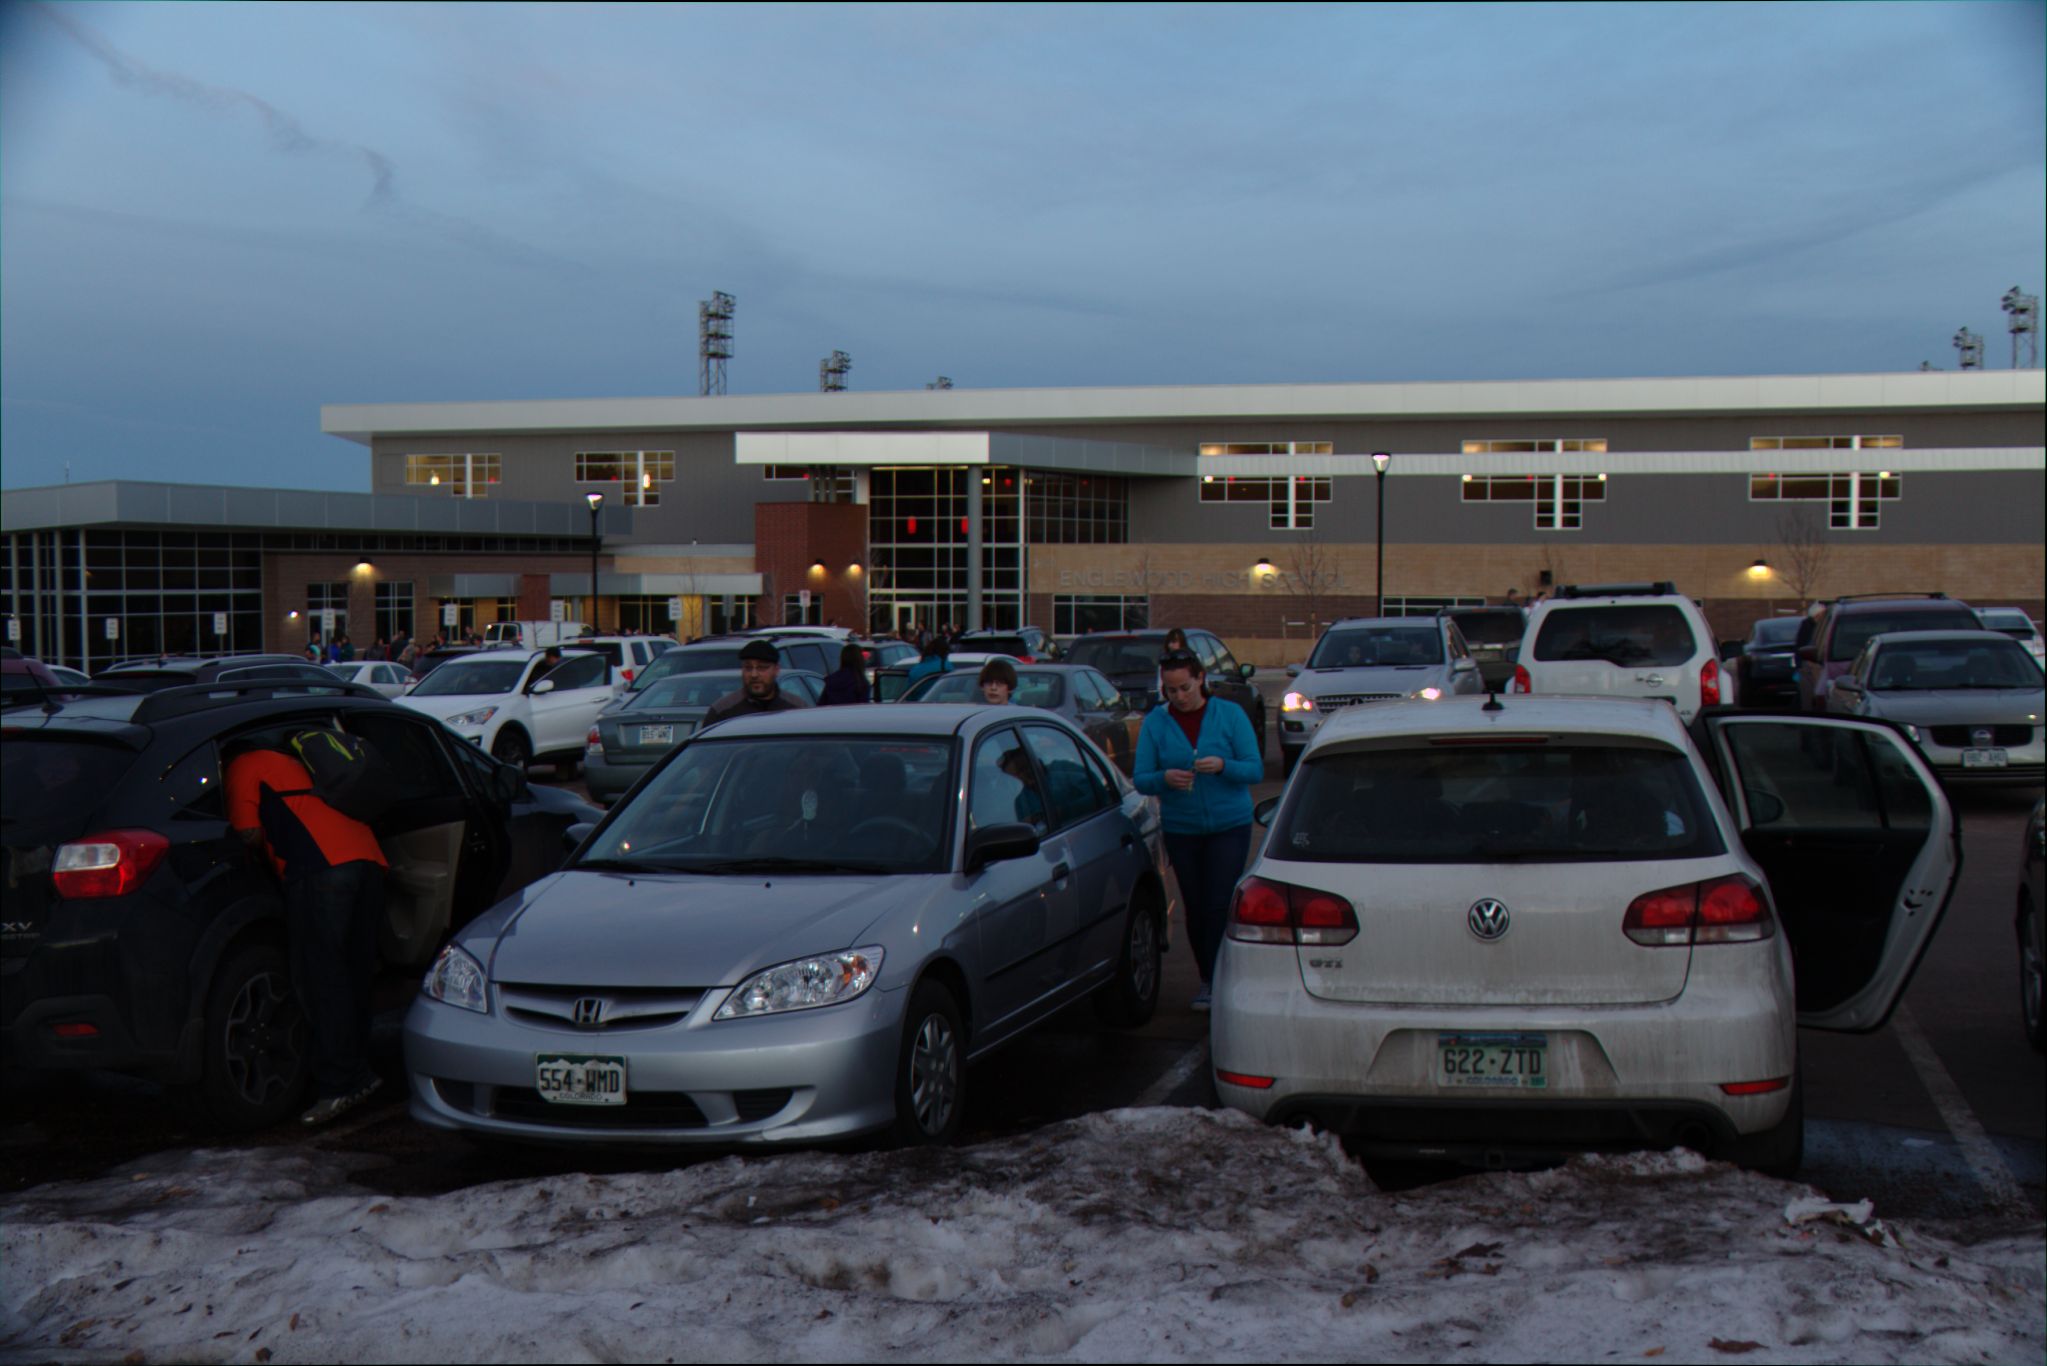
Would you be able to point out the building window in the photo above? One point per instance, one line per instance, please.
(1077, 509)
(1853, 499)
(641, 472)
(794, 613)
(827, 483)
(464, 476)
(1426, 607)
(1268, 448)
(394, 610)
(785, 471)
(1074, 614)
(1559, 498)
(1290, 499)
(1534, 445)
(1825, 443)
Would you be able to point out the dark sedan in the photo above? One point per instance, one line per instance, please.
(630, 737)
(1767, 669)
(1080, 694)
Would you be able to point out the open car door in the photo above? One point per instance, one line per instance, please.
(1859, 842)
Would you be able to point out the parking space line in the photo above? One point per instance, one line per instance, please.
(1174, 1077)
(1985, 1162)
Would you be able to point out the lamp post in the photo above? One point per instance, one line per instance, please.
(596, 501)
(1380, 460)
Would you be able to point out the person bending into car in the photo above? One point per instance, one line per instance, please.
(1201, 760)
(998, 682)
(333, 877)
(759, 668)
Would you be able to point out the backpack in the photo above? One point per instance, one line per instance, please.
(347, 773)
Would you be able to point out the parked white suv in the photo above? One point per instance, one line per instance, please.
(511, 705)
(1498, 930)
(628, 655)
(1623, 640)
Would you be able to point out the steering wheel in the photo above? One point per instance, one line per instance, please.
(875, 824)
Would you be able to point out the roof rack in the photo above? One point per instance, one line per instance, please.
(173, 702)
(1871, 597)
(1661, 588)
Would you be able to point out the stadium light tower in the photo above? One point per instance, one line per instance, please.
(831, 372)
(1971, 347)
(714, 342)
(2025, 323)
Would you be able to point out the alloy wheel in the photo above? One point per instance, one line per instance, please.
(934, 1074)
(1144, 955)
(261, 1050)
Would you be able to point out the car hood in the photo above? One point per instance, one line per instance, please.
(1403, 678)
(454, 704)
(1960, 706)
(635, 930)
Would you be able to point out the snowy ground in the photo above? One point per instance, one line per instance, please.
(1160, 1234)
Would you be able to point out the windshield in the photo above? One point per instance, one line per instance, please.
(1565, 803)
(1121, 655)
(466, 676)
(685, 690)
(1924, 666)
(1856, 628)
(1033, 689)
(994, 645)
(1777, 631)
(2012, 622)
(1490, 628)
(1378, 647)
(54, 782)
(694, 659)
(811, 803)
(1649, 634)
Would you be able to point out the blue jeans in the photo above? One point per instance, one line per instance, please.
(331, 920)
(1208, 867)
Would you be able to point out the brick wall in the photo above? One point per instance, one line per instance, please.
(789, 538)
(285, 577)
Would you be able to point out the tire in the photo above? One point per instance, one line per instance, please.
(931, 1068)
(1778, 1151)
(256, 1054)
(1131, 998)
(2029, 980)
(511, 747)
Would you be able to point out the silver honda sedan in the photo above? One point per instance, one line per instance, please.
(801, 926)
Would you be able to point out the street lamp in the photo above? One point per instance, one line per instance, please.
(1380, 460)
(596, 501)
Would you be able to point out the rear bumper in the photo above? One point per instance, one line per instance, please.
(607, 779)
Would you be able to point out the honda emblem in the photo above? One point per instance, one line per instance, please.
(1487, 918)
(589, 1012)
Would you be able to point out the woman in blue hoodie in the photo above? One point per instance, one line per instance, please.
(1200, 758)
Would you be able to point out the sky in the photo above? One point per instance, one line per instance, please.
(216, 218)
(1135, 1235)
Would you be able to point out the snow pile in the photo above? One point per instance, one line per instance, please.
(1139, 1234)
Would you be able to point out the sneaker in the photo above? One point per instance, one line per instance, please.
(1200, 1001)
(334, 1107)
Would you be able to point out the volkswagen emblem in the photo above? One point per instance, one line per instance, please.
(589, 1012)
(1487, 918)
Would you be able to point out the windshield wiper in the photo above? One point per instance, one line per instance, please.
(777, 864)
(621, 865)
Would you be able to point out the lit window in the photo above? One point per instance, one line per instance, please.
(1826, 443)
(1854, 499)
(1559, 498)
(641, 472)
(1534, 445)
(462, 476)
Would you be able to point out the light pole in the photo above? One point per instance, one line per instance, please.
(1380, 459)
(596, 504)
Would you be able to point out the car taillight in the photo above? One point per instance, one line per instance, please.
(110, 863)
(1268, 912)
(628, 674)
(1522, 682)
(593, 741)
(1722, 910)
(1709, 684)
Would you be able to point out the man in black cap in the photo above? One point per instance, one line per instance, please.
(759, 666)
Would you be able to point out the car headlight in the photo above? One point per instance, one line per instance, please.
(473, 718)
(1428, 694)
(1294, 701)
(457, 979)
(1910, 730)
(826, 980)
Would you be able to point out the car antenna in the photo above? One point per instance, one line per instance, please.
(1492, 701)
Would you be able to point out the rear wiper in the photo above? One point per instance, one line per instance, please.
(776, 864)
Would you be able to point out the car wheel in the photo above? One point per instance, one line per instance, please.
(510, 747)
(1778, 1151)
(2029, 979)
(1132, 996)
(930, 1069)
(256, 1053)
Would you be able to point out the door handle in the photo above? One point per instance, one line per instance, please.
(1061, 873)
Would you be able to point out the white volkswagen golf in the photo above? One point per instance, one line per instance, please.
(1496, 931)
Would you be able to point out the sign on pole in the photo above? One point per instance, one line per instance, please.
(557, 610)
(675, 609)
(113, 628)
(14, 628)
(327, 621)
(220, 623)
(803, 602)
(451, 614)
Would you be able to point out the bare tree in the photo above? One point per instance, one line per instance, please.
(1314, 572)
(1803, 551)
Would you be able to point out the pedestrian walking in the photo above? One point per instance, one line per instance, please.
(760, 666)
(332, 873)
(846, 684)
(1199, 757)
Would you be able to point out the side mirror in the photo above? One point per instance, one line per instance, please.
(545, 685)
(1463, 666)
(994, 843)
(1848, 683)
(573, 837)
(1293, 671)
(1265, 811)
(1246, 670)
(1730, 649)
(1809, 653)
(1764, 808)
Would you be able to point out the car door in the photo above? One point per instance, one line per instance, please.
(1860, 845)
(1225, 679)
(1096, 843)
(1014, 900)
(563, 715)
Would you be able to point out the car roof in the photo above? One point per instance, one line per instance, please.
(1929, 637)
(1385, 621)
(935, 720)
(1857, 605)
(1644, 718)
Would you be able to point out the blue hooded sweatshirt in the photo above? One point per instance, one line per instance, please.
(1217, 801)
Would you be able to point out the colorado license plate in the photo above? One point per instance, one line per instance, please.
(1515, 1061)
(579, 1079)
(1985, 758)
(657, 735)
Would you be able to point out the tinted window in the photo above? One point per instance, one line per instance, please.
(695, 659)
(612, 650)
(580, 671)
(1118, 655)
(685, 690)
(1776, 630)
(1980, 664)
(1004, 788)
(51, 781)
(1072, 787)
(1652, 633)
(1854, 629)
(1490, 628)
(470, 675)
(192, 788)
(1820, 777)
(1015, 646)
(1376, 647)
(1556, 803)
(415, 757)
(2013, 623)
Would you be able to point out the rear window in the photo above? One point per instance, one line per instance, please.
(1378, 647)
(1651, 633)
(994, 645)
(1490, 628)
(1777, 631)
(695, 659)
(1555, 803)
(686, 690)
(2013, 623)
(1857, 627)
(56, 782)
(1120, 655)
